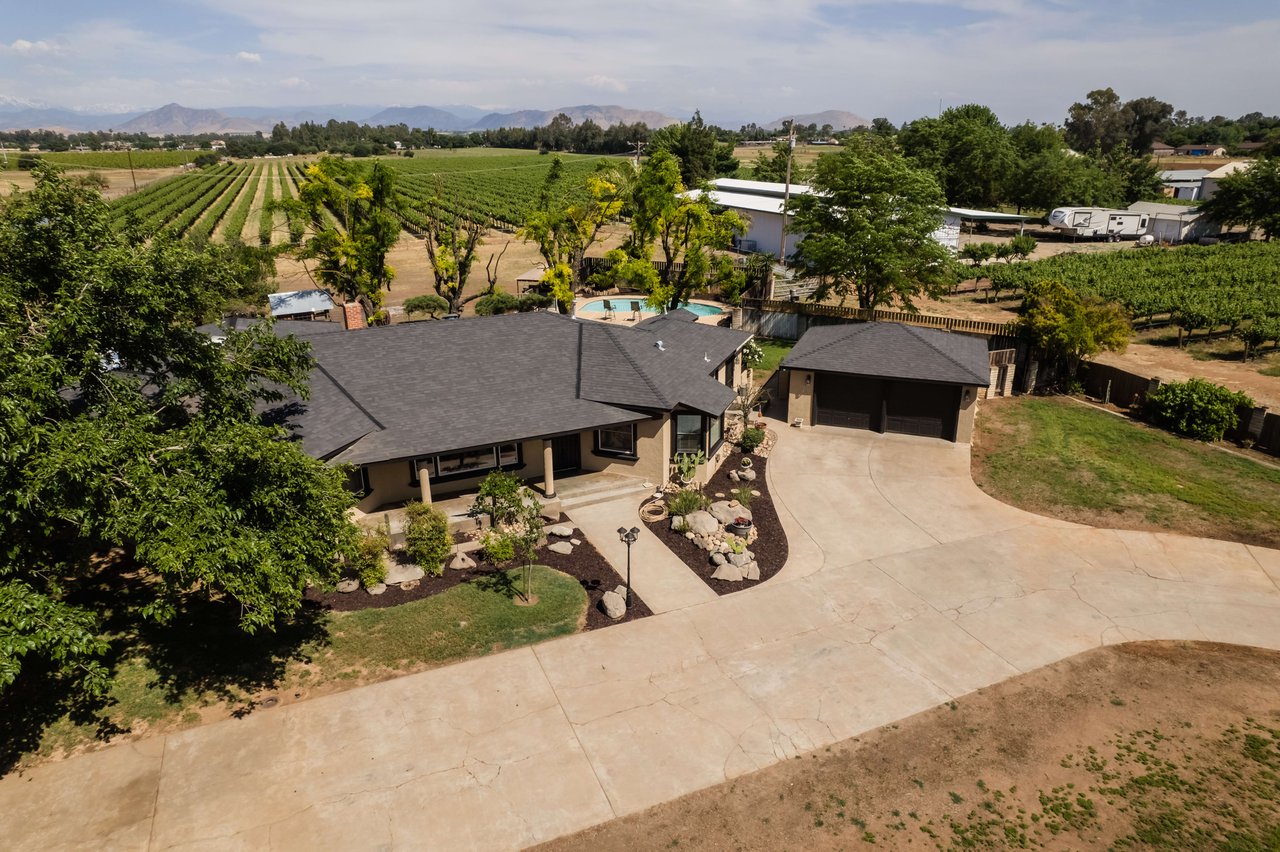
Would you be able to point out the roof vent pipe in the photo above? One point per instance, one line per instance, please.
(661, 348)
(706, 357)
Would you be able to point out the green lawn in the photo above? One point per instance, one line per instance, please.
(1060, 458)
(176, 676)
(774, 352)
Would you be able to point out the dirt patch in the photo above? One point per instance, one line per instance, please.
(585, 564)
(1147, 745)
(770, 546)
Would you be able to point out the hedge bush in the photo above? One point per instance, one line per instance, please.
(426, 537)
(1196, 408)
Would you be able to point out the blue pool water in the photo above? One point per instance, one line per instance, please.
(623, 306)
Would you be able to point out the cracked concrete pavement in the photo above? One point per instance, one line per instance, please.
(906, 587)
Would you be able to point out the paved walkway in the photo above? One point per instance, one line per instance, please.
(907, 587)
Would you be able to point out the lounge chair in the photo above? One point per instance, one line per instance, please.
(608, 309)
(635, 311)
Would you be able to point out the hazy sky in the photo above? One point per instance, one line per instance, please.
(734, 59)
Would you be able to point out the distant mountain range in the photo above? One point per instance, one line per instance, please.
(18, 114)
(838, 119)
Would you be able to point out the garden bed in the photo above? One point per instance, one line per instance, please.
(585, 564)
(770, 546)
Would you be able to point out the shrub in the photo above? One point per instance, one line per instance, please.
(687, 500)
(430, 304)
(500, 497)
(496, 303)
(752, 437)
(426, 537)
(533, 302)
(366, 560)
(743, 495)
(498, 549)
(1196, 408)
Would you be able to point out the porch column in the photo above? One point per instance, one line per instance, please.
(548, 470)
(424, 479)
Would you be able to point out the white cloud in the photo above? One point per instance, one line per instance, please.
(246, 56)
(610, 84)
(294, 83)
(22, 47)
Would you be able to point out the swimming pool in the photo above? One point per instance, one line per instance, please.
(623, 306)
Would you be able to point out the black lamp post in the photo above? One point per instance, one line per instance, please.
(628, 536)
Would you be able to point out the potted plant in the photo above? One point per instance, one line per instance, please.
(744, 462)
(739, 527)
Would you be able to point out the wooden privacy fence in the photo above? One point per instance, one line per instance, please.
(837, 312)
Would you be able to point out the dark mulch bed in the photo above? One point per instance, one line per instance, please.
(770, 546)
(585, 564)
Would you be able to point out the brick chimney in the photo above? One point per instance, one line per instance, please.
(353, 315)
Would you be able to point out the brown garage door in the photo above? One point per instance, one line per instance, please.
(851, 401)
(920, 408)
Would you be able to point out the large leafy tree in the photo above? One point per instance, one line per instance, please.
(350, 249)
(698, 149)
(1101, 121)
(869, 228)
(1250, 197)
(1069, 328)
(451, 244)
(967, 149)
(129, 437)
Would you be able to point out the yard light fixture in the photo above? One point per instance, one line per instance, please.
(628, 537)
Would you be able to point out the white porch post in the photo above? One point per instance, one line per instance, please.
(424, 479)
(548, 470)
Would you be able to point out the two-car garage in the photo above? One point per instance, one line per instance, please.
(887, 377)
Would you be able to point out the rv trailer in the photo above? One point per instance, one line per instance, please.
(1099, 222)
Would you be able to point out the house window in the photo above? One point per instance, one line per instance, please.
(715, 433)
(730, 368)
(688, 433)
(465, 462)
(508, 454)
(358, 481)
(469, 463)
(617, 441)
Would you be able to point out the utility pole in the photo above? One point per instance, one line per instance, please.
(129, 152)
(786, 191)
(635, 158)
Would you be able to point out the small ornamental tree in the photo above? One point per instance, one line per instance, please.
(1196, 408)
(431, 305)
(522, 532)
(500, 496)
(1069, 328)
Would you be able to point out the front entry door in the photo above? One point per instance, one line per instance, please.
(566, 453)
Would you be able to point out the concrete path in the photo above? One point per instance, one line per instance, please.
(907, 587)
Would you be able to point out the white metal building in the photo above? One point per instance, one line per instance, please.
(1171, 223)
(1183, 183)
(1209, 185)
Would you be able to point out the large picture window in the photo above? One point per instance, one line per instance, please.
(617, 441)
(688, 433)
(715, 433)
(730, 370)
(468, 463)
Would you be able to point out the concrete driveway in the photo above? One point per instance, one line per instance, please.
(906, 587)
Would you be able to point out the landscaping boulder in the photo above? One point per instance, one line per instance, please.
(550, 515)
(751, 571)
(728, 571)
(701, 523)
(741, 559)
(717, 558)
(377, 590)
(461, 562)
(562, 530)
(726, 512)
(410, 585)
(614, 605)
(747, 475)
(562, 547)
(733, 476)
(403, 572)
(347, 586)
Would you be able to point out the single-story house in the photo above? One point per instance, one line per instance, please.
(296, 304)
(1202, 150)
(1209, 185)
(1172, 223)
(887, 377)
(1183, 183)
(425, 410)
(1160, 149)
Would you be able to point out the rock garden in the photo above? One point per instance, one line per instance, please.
(512, 533)
(726, 529)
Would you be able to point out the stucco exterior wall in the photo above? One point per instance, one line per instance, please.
(653, 449)
(389, 481)
(800, 396)
(968, 408)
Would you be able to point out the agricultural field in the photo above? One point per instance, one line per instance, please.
(115, 159)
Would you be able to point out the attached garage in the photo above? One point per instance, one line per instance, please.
(887, 377)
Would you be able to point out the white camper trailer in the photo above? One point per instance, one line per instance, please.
(1099, 222)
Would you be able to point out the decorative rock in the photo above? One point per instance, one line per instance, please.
(748, 475)
(462, 562)
(562, 530)
(719, 495)
(690, 535)
(575, 541)
(403, 572)
(701, 523)
(348, 586)
(728, 571)
(377, 590)
(725, 513)
(410, 585)
(562, 547)
(614, 605)
(739, 559)
(755, 493)
(718, 558)
(733, 476)
(621, 590)
(751, 571)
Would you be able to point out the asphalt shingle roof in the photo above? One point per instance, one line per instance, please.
(893, 351)
(418, 389)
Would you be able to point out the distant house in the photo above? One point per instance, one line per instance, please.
(1202, 150)
(1209, 186)
(1183, 183)
(218, 145)
(1159, 149)
(1250, 147)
